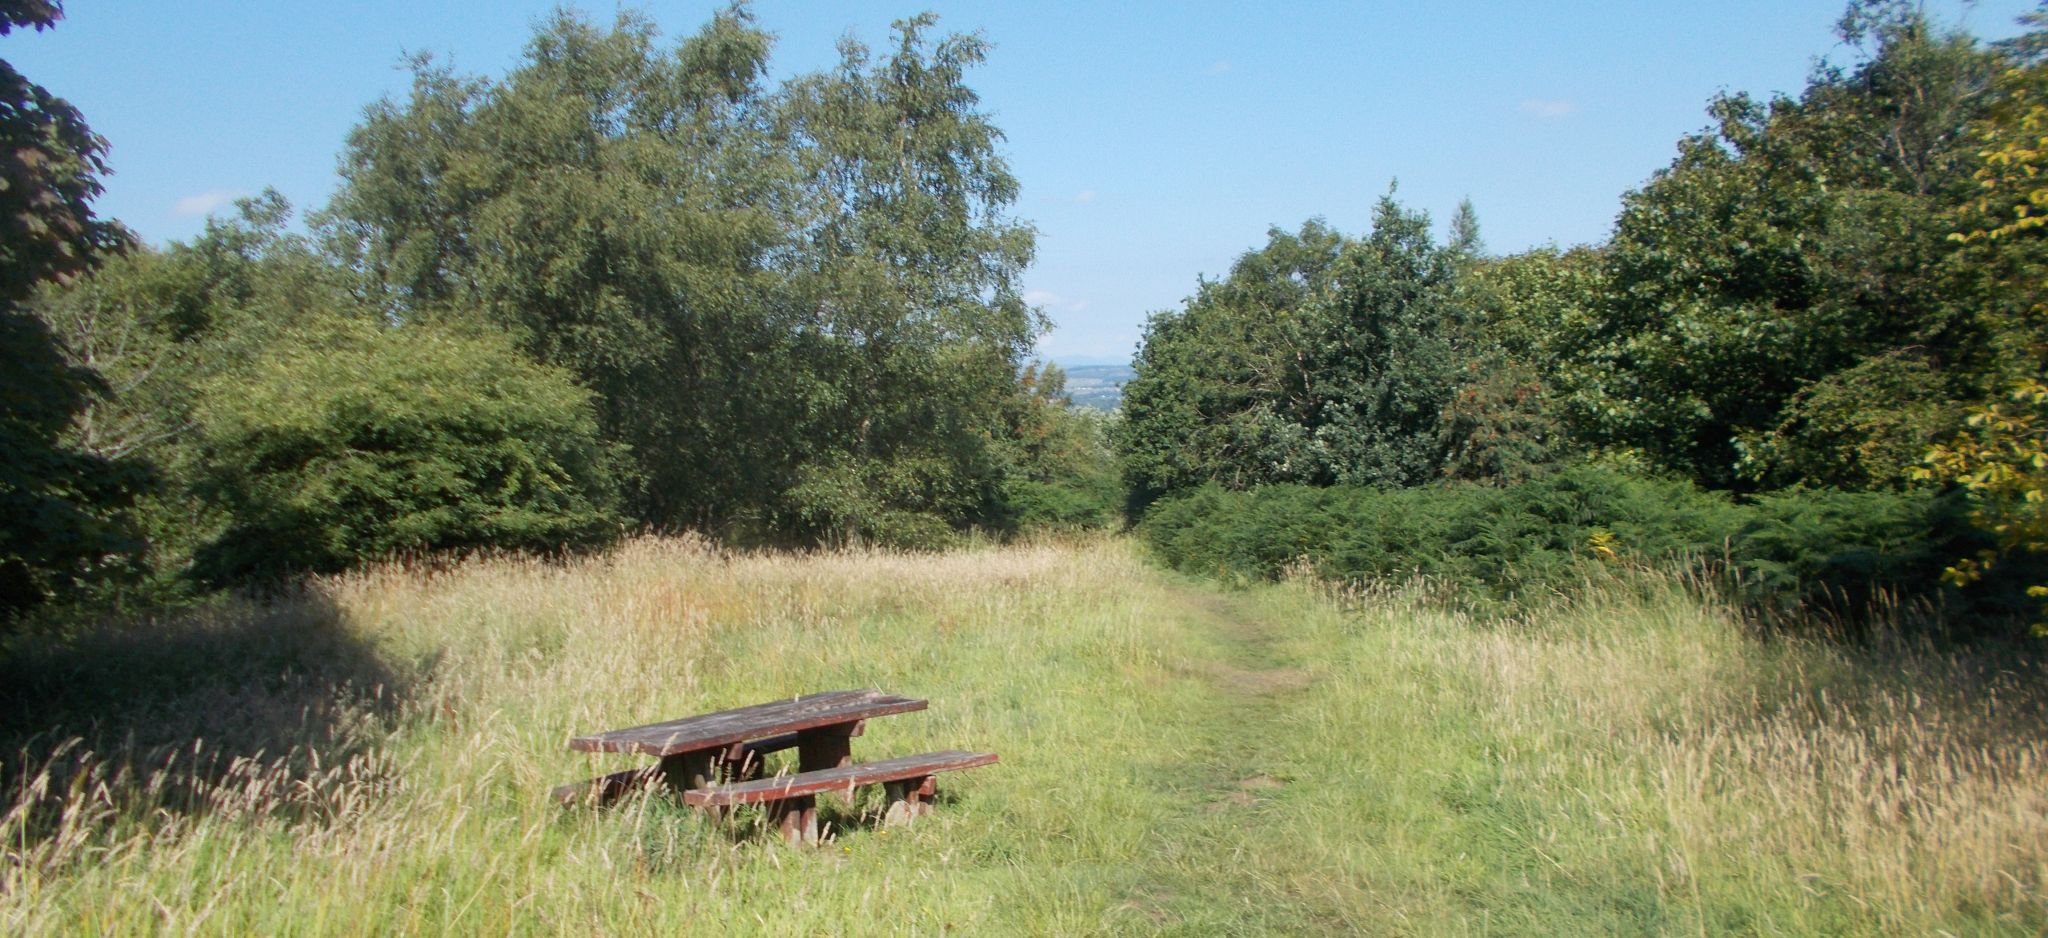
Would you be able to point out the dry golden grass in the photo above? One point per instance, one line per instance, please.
(371, 756)
(1650, 761)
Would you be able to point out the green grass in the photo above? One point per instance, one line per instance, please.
(1176, 759)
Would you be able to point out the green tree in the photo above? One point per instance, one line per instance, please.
(908, 277)
(1503, 424)
(1210, 375)
(1063, 472)
(1385, 345)
(350, 440)
(61, 508)
(158, 326)
(1320, 359)
(614, 204)
(293, 428)
(1464, 232)
(2001, 457)
(1795, 240)
(797, 308)
(152, 323)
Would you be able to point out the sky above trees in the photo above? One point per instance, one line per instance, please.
(1153, 142)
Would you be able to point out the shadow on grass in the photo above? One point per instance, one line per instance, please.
(244, 707)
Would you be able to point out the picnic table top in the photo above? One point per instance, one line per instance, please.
(725, 727)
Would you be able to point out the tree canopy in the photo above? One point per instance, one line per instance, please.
(61, 520)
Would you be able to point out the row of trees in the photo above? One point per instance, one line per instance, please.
(627, 284)
(1839, 290)
(631, 283)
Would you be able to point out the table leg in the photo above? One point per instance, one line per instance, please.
(698, 769)
(796, 818)
(687, 770)
(908, 800)
(826, 747)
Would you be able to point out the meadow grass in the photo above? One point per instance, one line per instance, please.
(372, 756)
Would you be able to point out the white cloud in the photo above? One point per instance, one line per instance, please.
(1221, 66)
(206, 203)
(1053, 302)
(1548, 109)
(1085, 196)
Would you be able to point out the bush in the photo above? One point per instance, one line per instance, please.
(1495, 548)
(353, 441)
(1089, 503)
(1838, 551)
(1498, 543)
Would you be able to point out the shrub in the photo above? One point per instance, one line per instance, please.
(1837, 551)
(352, 441)
(1495, 548)
(1093, 502)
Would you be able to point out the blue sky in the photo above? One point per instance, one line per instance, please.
(1155, 141)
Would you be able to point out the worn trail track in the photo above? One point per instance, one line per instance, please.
(1227, 775)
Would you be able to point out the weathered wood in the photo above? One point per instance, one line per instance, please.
(737, 763)
(743, 761)
(760, 747)
(826, 747)
(844, 779)
(697, 768)
(908, 800)
(714, 730)
(796, 818)
(606, 789)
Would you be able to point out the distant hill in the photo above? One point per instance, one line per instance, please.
(1098, 387)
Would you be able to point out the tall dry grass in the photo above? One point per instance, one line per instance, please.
(392, 735)
(371, 756)
(1642, 760)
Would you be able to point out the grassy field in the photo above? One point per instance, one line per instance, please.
(372, 757)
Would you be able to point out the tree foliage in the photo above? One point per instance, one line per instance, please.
(293, 429)
(1209, 375)
(1511, 549)
(1786, 314)
(797, 307)
(1794, 241)
(1063, 471)
(635, 280)
(61, 508)
(906, 273)
(351, 441)
(1321, 359)
(2001, 458)
(610, 203)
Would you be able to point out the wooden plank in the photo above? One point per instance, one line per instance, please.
(725, 727)
(606, 789)
(697, 768)
(742, 761)
(843, 779)
(762, 746)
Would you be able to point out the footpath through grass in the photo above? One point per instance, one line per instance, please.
(373, 758)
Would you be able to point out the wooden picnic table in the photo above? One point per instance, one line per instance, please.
(818, 726)
(699, 753)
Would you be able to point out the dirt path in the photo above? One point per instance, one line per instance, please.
(1227, 776)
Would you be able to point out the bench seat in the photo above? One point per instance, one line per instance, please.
(792, 799)
(742, 760)
(843, 779)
